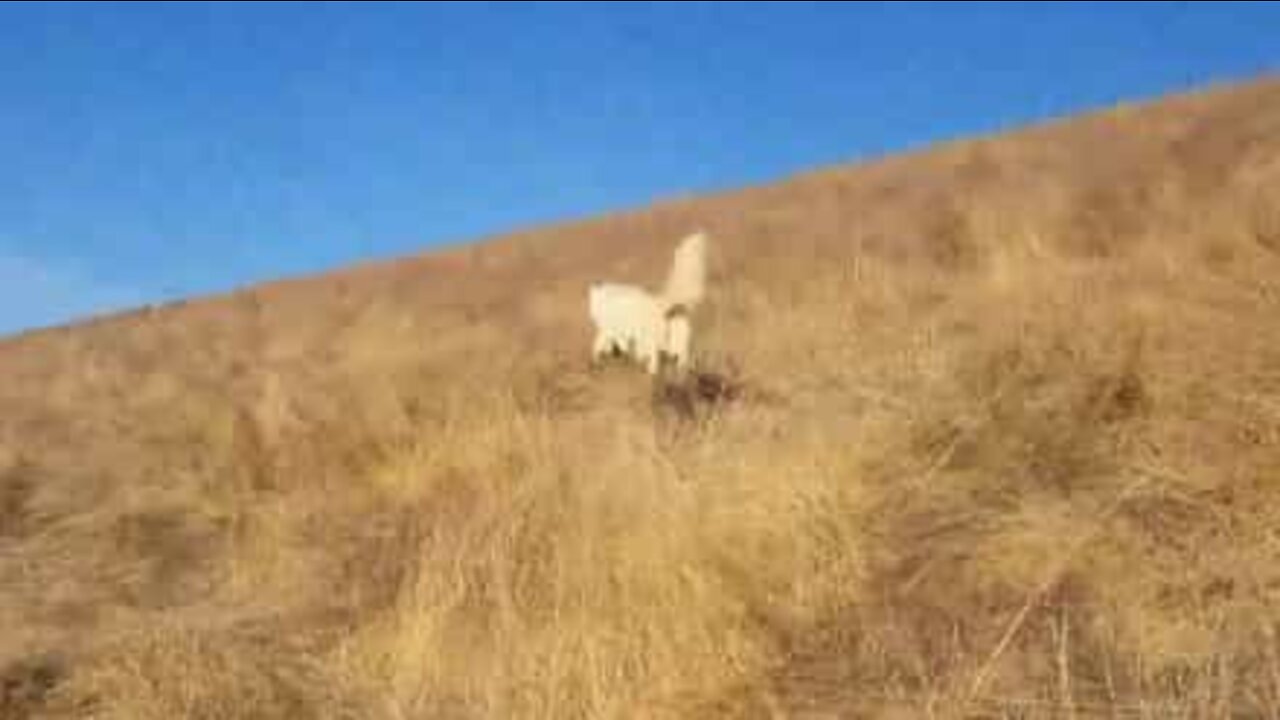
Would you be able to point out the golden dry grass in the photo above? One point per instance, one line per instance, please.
(1007, 446)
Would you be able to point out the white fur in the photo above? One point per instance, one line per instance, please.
(687, 279)
(628, 320)
(645, 326)
(676, 343)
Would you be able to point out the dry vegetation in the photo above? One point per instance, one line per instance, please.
(1006, 444)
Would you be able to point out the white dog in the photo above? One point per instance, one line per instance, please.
(645, 326)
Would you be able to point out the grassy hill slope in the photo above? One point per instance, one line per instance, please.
(1007, 444)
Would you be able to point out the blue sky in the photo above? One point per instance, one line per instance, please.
(154, 151)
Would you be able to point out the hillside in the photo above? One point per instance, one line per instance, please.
(1006, 444)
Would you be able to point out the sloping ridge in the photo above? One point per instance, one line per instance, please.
(1211, 130)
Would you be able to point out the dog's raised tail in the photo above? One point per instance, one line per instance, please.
(686, 282)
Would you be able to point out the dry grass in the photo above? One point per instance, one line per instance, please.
(989, 431)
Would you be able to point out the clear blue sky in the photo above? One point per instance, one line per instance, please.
(153, 151)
